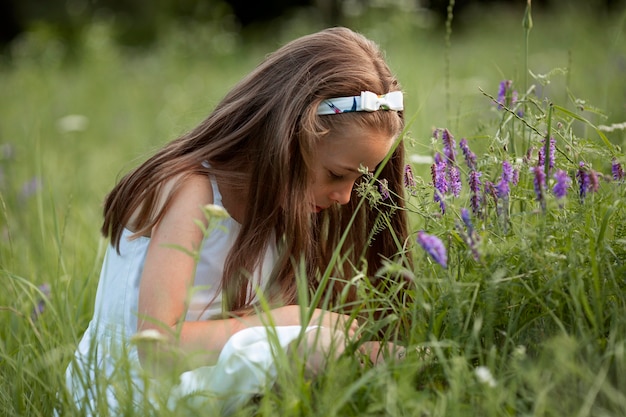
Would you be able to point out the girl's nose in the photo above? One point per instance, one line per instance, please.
(342, 193)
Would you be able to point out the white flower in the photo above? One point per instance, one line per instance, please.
(150, 335)
(215, 211)
(73, 123)
(421, 159)
(484, 375)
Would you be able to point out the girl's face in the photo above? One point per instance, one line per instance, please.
(336, 163)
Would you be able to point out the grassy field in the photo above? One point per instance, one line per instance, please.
(526, 320)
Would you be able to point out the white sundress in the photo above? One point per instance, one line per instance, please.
(245, 366)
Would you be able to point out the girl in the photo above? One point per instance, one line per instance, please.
(281, 153)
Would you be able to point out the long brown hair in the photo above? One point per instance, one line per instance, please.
(260, 140)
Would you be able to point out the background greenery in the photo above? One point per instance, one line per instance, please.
(543, 311)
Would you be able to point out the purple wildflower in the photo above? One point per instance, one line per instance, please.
(438, 173)
(503, 89)
(434, 247)
(616, 169)
(541, 157)
(539, 182)
(563, 182)
(7, 152)
(465, 216)
(44, 289)
(470, 157)
(31, 187)
(449, 146)
(409, 179)
(383, 189)
(552, 153)
(455, 180)
(453, 174)
(594, 183)
(507, 175)
(528, 156)
(470, 237)
(515, 177)
(551, 156)
(474, 183)
(490, 189)
(436, 133)
(583, 180)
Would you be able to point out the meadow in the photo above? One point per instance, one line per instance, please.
(523, 316)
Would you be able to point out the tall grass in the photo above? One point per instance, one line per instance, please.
(529, 322)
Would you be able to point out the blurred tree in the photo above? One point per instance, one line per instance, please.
(248, 12)
(139, 22)
(10, 26)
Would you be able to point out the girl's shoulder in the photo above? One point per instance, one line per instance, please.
(183, 193)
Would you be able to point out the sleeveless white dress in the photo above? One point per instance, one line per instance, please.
(107, 361)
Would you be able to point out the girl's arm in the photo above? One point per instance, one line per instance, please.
(168, 276)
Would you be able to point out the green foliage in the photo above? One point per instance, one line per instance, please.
(529, 322)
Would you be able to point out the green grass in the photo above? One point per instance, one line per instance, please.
(542, 309)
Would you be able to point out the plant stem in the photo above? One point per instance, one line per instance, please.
(449, 18)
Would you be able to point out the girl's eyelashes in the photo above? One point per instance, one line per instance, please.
(335, 176)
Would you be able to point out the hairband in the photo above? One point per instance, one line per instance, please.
(367, 101)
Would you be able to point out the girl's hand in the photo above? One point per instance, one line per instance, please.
(336, 322)
(379, 352)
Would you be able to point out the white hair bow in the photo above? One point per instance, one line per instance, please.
(367, 101)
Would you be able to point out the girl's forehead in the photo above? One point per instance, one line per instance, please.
(355, 151)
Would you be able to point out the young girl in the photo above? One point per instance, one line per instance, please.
(281, 153)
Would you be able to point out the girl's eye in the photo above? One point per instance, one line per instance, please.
(335, 176)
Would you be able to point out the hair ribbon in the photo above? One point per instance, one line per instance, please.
(367, 101)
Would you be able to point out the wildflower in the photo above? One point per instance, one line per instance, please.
(528, 156)
(474, 183)
(409, 179)
(583, 180)
(455, 180)
(30, 187)
(421, 159)
(616, 170)
(551, 154)
(539, 182)
(434, 247)
(594, 183)
(449, 146)
(563, 181)
(438, 173)
(468, 235)
(44, 290)
(483, 374)
(73, 123)
(215, 211)
(613, 127)
(503, 89)
(503, 185)
(465, 216)
(148, 335)
(490, 189)
(383, 188)
(470, 157)
(515, 177)
(452, 171)
(7, 151)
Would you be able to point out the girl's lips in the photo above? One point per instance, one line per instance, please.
(318, 209)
